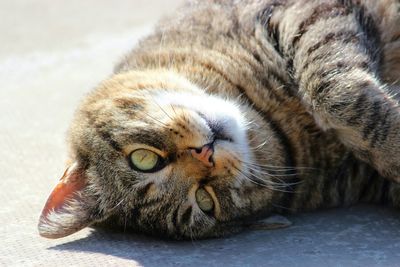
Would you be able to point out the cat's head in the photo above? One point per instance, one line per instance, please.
(152, 152)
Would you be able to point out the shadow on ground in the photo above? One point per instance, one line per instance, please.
(357, 236)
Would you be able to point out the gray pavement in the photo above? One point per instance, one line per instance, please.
(51, 54)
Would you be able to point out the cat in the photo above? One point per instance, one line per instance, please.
(233, 110)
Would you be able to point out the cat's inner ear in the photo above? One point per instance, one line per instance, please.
(69, 208)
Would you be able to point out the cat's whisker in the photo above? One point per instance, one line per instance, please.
(155, 119)
(269, 171)
(250, 140)
(258, 147)
(265, 183)
(268, 167)
(163, 110)
(275, 176)
(173, 109)
(161, 123)
(272, 174)
(253, 122)
(248, 178)
(282, 168)
(118, 204)
(287, 170)
(281, 182)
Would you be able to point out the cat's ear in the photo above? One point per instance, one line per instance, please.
(69, 208)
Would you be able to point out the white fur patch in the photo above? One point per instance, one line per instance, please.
(226, 113)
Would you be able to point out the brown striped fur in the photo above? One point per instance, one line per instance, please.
(316, 82)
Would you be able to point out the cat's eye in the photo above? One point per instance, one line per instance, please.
(145, 160)
(204, 200)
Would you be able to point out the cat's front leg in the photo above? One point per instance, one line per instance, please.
(334, 51)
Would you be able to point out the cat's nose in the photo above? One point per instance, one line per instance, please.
(204, 154)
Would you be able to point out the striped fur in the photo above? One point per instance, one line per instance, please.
(314, 80)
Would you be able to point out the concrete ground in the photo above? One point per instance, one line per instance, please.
(51, 54)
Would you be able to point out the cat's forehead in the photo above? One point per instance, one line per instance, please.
(211, 106)
(143, 92)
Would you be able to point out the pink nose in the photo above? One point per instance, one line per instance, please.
(204, 155)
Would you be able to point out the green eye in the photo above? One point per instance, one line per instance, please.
(204, 200)
(145, 160)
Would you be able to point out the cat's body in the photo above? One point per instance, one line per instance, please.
(304, 107)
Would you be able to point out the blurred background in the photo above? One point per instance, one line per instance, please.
(52, 52)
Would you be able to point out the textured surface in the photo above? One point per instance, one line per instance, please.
(50, 55)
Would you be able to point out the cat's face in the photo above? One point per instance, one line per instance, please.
(160, 156)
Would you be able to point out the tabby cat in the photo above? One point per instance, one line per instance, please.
(232, 110)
